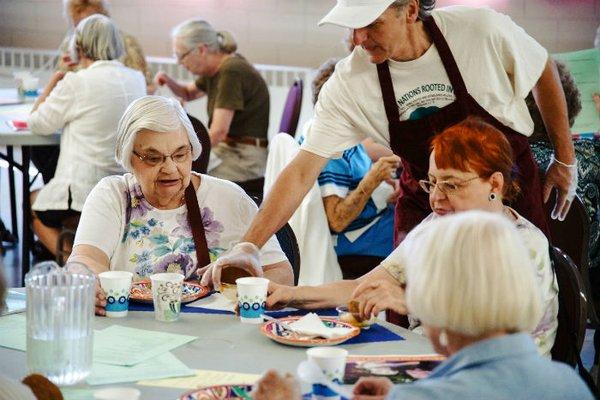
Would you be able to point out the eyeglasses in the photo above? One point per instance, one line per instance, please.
(181, 58)
(153, 160)
(446, 187)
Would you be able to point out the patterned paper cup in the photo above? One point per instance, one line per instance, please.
(166, 295)
(332, 361)
(116, 286)
(251, 296)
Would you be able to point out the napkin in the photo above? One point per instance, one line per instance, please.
(311, 325)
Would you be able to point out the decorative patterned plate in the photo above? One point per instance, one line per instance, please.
(219, 392)
(281, 335)
(141, 291)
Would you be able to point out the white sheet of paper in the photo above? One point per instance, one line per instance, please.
(215, 301)
(204, 378)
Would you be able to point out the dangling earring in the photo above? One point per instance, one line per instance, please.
(443, 338)
(492, 196)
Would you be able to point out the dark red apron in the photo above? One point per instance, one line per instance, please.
(410, 139)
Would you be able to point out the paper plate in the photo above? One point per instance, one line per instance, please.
(274, 332)
(141, 291)
(219, 392)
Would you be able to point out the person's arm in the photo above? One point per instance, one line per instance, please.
(323, 296)
(342, 211)
(550, 99)
(376, 150)
(220, 124)
(97, 261)
(56, 77)
(187, 92)
(285, 196)
(280, 272)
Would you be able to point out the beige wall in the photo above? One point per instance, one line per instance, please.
(278, 31)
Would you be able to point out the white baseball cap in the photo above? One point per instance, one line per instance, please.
(355, 14)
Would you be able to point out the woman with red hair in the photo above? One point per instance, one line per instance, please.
(470, 168)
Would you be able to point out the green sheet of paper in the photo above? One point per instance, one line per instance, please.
(118, 345)
(165, 365)
(13, 332)
(77, 394)
(584, 65)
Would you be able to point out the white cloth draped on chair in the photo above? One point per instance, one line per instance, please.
(318, 261)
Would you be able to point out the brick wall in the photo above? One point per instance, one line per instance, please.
(279, 31)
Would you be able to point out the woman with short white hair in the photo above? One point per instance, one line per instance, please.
(86, 105)
(153, 218)
(238, 98)
(470, 281)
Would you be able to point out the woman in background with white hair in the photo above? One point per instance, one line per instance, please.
(238, 98)
(143, 222)
(86, 105)
(470, 281)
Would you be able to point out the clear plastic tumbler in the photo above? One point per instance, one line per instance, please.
(60, 315)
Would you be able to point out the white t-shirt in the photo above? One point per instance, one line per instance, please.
(537, 245)
(142, 239)
(87, 105)
(499, 62)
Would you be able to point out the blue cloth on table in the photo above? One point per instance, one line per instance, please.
(376, 333)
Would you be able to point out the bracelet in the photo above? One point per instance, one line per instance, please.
(574, 165)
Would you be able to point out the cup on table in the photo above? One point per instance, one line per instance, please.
(116, 286)
(30, 86)
(166, 295)
(252, 296)
(332, 361)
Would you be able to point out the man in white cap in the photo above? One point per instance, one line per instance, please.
(414, 72)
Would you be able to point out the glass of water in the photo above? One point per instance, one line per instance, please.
(60, 314)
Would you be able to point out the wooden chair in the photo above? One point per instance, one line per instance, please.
(201, 164)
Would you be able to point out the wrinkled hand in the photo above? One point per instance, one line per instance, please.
(279, 296)
(383, 169)
(273, 386)
(372, 388)
(381, 295)
(100, 300)
(161, 78)
(243, 255)
(564, 179)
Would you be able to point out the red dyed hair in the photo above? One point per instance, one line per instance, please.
(475, 145)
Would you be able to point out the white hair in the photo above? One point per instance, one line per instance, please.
(470, 273)
(97, 38)
(155, 113)
(194, 32)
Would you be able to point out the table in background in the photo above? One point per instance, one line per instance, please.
(25, 140)
(223, 344)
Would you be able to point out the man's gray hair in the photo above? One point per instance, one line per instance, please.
(425, 6)
(155, 113)
(472, 274)
(97, 38)
(194, 32)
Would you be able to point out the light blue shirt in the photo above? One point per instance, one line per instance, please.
(507, 367)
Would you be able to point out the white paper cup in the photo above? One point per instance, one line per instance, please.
(332, 361)
(166, 295)
(116, 286)
(252, 296)
(117, 394)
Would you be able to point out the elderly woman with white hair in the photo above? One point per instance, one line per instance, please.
(147, 220)
(238, 98)
(86, 105)
(470, 281)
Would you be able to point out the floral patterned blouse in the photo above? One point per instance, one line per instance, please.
(537, 244)
(140, 238)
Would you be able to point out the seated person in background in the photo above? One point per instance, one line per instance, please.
(86, 105)
(470, 168)
(238, 98)
(476, 311)
(138, 222)
(358, 196)
(45, 157)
